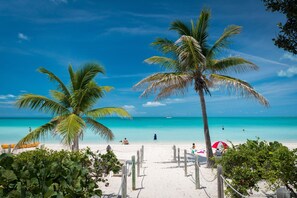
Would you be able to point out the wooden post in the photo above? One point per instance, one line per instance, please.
(178, 157)
(185, 157)
(140, 157)
(9, 148)
(138, 164)
(174, 153)
(197, 179)
(124, 181)
(133, 173)
(142, 153)
(220, 182)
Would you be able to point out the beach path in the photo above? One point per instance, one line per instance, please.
(161, 177)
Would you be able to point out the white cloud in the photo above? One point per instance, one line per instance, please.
(174, 100)
(141, 30)
(289, 56)
(59, 1)
(277, 89)
(129, 107)
(153, 104)
(8, 96)
(290, 72)
(127, 76)
(22, 36)
(8, 102)
(255, 58)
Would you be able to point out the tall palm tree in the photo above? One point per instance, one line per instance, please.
(71, 107)
(191, 60)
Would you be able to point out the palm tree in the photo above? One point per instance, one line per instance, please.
(71, 107)
(191, 60)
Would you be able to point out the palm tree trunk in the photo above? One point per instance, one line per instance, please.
(209, 152)
(75, 146)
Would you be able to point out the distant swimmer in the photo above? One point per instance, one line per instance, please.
(155, 136)
(30, 129)
(223, 128)
(243, 130)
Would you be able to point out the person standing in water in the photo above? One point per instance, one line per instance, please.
(155, 136)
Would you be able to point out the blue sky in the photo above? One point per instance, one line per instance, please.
(117, 34)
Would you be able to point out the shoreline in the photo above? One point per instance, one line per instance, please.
(182, 145)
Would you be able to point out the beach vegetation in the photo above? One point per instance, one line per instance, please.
(49, 173)
(192, 61)
(247, 165)
(287, 37)
(72, 107)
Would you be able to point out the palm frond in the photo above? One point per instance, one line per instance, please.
(235, 64)
(106, 111)
(41, 103)
(164, 45)
(240, 87)
(223, 41)
(73, 78)
(189, 51)
(83, 99)
(37, 133)
(157, 82)
(179, 88)
(87, 74)
(100, 129)
(180, 27)
(61, 97)
(165, 62)
(70, 127)
(106, 88)
(151, 78)
(200, 32)
(53, 77)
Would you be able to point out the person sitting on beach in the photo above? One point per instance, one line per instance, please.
(125, 141)
(108, 148)
(218, 152)
(193, 148)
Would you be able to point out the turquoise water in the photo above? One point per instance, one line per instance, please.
(168, 129)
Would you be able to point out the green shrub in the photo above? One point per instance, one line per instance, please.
(48, 173)
(247, 164)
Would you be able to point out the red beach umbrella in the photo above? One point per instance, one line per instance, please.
(219, 144)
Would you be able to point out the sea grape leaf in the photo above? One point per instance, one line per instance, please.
(8, 176)
(6, 160)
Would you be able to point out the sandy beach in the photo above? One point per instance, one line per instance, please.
(159, 175)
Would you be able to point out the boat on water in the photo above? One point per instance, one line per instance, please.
(168, 117)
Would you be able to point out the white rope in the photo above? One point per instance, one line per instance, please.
(143, 173)
(206, 193)
(226, 182)
(193, 180)
(215, 177)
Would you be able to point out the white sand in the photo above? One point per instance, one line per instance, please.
(160, 176)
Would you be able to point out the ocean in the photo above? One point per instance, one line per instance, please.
(180, 129)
